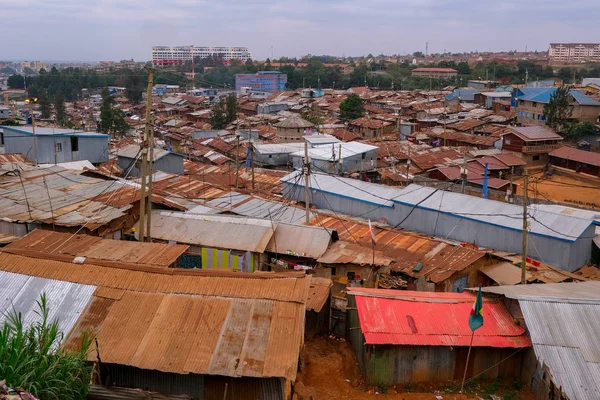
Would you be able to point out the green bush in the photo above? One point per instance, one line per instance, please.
(30, 358)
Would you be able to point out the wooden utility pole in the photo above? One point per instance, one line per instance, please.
(237, 159)
(251, 152)
(511, 195)
(150, 174)
(408, 164)
(524, 250)
(145, 145)
(306, 182)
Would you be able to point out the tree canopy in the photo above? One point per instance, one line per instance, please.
(352, 108)
(558, 110)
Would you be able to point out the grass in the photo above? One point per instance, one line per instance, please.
(31, 357)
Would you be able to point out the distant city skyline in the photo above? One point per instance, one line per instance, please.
(113, 30)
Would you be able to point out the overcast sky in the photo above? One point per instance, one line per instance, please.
(119, 29)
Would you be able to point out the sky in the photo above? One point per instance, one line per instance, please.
(82, 30)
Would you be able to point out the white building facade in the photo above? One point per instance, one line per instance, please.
(574, 52)
(173, 55)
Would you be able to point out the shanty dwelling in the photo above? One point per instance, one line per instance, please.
(317, 308)
(203, 334)
(403, 337)
(292, 129)
(339, 158)
(563, 320)
(580, 161)
(129, 160)
(52, 146)
(275, 154)
(65, 200)
(534, 142)
(241, 243)
(559, 240)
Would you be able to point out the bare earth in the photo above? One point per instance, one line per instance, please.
(330, 371)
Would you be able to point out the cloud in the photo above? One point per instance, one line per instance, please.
(116, 29)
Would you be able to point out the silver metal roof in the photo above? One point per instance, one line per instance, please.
(326, 151)
(301, 240)
(227, 232)
(493, 212)
(278, 148)
(349, 188)
(40, 131)
(66, 300)
(564, 292)
(565, 337)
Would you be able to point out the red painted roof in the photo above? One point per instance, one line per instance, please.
(433, 319)
(582, 156)
(434, 70)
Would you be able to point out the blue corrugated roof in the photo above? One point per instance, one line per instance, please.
(542, 95)
(464, 94)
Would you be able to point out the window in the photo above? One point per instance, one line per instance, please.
(74, 143)
(534, 105)
(58, 147)
(535, 158)
(506, 140)
(270, 156)
(534, 116)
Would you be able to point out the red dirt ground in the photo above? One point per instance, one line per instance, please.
(330, 371)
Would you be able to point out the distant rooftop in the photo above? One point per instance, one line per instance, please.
(28, 130)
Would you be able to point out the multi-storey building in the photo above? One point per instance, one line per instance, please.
(266, 81)
(168, 55)
(574, 52)
(435, 73)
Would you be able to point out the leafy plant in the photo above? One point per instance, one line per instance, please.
(30, 357)
(558, 110)
(352, 108)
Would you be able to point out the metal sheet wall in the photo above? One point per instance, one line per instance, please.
(565, 255)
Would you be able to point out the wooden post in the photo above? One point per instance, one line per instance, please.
(462, 385)
(306, 182)
(237, 160)
(150, 174)
(524, 249)
(145, 145)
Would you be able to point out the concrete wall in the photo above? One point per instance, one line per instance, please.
(354, 163)
(274, 160)
(95, 150)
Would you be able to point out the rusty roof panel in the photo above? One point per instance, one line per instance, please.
(441, 260)
(50, 242)
(301, 240)
(215, 336)
(318, 294)
(291, 287)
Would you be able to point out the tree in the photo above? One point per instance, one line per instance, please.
(118, 122)
(313, 115)
(352, 108)
(218, 120)
(45, 105)
(231, 107)
(16, 82)
(106, 115)
(32, 357)
(418, 54)
(582, 130)
(60, 109)
(558, 110)
(134, 87)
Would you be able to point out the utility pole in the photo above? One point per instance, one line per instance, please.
(145, 145)
(524, 250)
(193, 71)
(510, 194)
(463, 177)
(340, 161)
(306, 182)
(30, 101)
(237, 159)
(526, 77)
(251, 152)
(150, 176)
(408, 163)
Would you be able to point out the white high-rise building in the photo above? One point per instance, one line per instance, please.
(168, 55)
(574, 52)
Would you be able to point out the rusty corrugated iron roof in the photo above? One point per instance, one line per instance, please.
(440, 259)
(318, 294)
(392, 317)
(93, 247)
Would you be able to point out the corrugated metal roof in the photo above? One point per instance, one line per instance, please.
(533, 133)
(504, 273)
(565, 292)
(571, 153)
(66, 300)
(347, 187)
(565, 337)
(318, 294)
(96, 248)
(433, 319)
(202, 335)
(289, 286)
(406, 249)
(235, 233)
(300, 240)
(65, 196)
(327, 152)
(493, 212)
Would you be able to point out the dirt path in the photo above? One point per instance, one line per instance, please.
(331, 372)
